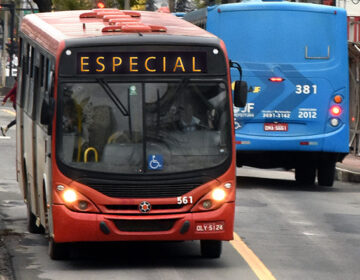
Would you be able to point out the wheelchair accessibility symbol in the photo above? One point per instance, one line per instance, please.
(155, 162)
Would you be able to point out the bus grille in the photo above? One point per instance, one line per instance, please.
(136, 207)
(144, 191)
(144, 225)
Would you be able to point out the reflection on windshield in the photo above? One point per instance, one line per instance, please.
(135, 128)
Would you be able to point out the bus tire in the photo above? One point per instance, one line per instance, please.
(211, 248)
(305, 175)
(326, 173)
(58, 251)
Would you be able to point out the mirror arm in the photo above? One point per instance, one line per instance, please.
(234, 64)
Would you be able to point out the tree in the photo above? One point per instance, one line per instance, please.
(44, 5)
(181, 6)
(150, 5)
(64, 5)
(121, 3)
(171, 5)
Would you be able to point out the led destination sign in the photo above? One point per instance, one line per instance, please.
(141, 63)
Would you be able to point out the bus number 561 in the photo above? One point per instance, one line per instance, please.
(184, 200)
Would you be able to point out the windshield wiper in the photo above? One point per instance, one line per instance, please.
(113, 97)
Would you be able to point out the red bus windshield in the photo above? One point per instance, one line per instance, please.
(135, 128)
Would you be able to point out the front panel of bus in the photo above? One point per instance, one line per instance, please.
(294, 59)
(143, 140)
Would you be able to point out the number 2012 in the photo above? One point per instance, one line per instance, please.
(306, 89)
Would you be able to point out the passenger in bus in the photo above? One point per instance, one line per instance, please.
(12, 96)
(188, 121)
(69, 117)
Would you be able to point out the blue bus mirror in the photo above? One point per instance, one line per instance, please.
(240, 93)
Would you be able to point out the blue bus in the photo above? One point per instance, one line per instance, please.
(294, 58)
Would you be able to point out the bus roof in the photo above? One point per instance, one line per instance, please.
(52, 29)
(275, 5)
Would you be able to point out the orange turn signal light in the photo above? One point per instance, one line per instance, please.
(338, 99)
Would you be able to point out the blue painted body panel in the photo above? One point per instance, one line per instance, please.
(306, 45)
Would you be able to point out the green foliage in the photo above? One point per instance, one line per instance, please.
(200, 3)
(120, 3)
(64, 5)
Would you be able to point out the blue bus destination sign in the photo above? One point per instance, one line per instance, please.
(142, 63)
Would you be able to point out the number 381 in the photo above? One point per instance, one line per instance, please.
(306, 89)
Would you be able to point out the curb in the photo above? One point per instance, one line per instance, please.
(346, 175)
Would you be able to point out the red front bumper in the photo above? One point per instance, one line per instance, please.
(70, 226)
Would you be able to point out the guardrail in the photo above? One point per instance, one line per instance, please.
(353, 29)
(354, 70)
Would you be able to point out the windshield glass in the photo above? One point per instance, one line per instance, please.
(134, 128)
(277, 36)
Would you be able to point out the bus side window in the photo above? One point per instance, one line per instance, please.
(35, 84)
(22, 57)
(47, 103)
(47, 73)
(24, 77)
(28, 94)
(39, 88)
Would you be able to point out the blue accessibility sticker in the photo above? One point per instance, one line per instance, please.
(155, 162)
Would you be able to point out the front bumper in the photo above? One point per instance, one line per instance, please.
(70, 226)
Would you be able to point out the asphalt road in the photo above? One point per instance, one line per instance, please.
(282, 230)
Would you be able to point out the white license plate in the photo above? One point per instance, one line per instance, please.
(276, 127)
(210, 227)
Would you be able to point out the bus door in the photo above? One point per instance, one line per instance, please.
(23, 68)
(41, 137)
(29, 142)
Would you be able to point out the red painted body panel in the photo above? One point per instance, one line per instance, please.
(71, 226)
(50, 29)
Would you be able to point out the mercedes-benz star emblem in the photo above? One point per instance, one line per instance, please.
(144, 207)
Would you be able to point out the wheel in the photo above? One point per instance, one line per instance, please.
(31, 223)
(305, 175)
(326, 173)
(58, 251)
(210, 248)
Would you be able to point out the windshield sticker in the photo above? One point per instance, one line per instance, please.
(132, 90)
(155, 162)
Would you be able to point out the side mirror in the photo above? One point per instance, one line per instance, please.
(47, 111)
(240, 93)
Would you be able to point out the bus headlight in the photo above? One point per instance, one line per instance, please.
(218, 194)
(207, 204)
(69, 196)
(75, 201)
(215, 198)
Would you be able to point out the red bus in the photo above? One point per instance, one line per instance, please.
(125, 129)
